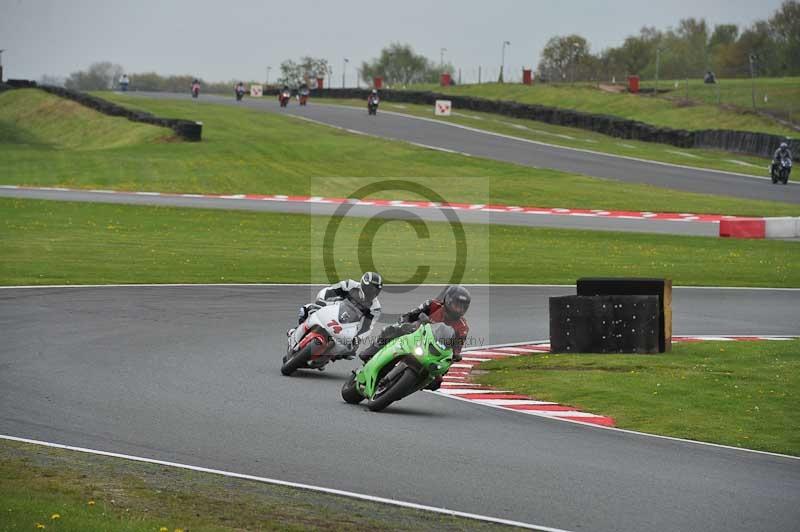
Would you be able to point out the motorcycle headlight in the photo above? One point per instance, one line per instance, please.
(418, 351)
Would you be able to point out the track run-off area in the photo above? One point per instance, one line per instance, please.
(190, 374)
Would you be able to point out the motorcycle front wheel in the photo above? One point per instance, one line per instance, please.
(394, 391)
(300, 358)
(349, 392)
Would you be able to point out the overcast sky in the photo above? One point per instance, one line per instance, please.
(220, 40)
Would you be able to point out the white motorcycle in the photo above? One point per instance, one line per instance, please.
(329, 333)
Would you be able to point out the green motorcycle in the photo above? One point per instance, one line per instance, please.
(404, 365)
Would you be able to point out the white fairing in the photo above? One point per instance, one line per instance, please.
(328, 319)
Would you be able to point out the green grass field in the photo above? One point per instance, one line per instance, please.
(742, 394)
(780, 96)
(657, 111)
(246, 151)
(49, 242)
(58, 490)
(579, 138)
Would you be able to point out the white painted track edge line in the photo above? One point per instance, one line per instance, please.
(321, 489)
(627, 431)
(547, 144)
(596, 426)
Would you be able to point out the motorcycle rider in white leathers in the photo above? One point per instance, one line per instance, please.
(363, 294)
(781, 153)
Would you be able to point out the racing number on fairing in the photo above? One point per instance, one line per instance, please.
(333, 324)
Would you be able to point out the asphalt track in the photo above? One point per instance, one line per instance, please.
(190, 374)
(520, 151)
(685, 228)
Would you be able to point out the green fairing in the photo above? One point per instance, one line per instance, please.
(438, 364)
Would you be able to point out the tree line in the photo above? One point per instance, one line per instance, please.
(771, 47)
(106, 75)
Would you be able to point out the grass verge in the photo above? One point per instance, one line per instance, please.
(248, 151)
(35, 120)
(656, 111)
(580, 138)
(777, 96)
(49, 242)
(54, 489)
(742, 394)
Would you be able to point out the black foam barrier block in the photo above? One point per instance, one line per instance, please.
(632, 286)
(604, 324)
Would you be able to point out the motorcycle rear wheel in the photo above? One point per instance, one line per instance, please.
(299, 359)
(401, 387)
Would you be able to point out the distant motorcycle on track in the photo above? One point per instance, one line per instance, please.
(372, 103)
(284, 97)
(781, 170)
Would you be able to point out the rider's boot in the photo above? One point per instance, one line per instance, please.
(435, 384)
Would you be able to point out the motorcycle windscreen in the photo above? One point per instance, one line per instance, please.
(348, 313)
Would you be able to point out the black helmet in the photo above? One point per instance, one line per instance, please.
(371, 285)
(456, 301)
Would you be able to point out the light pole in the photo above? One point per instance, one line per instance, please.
(268, 69)
(503, 59)
(441, 58)
(575, 46)
(1, 65)
(344, 68)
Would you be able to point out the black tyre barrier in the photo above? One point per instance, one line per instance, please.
(604, 324)
(186, 129)
(746, 142)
